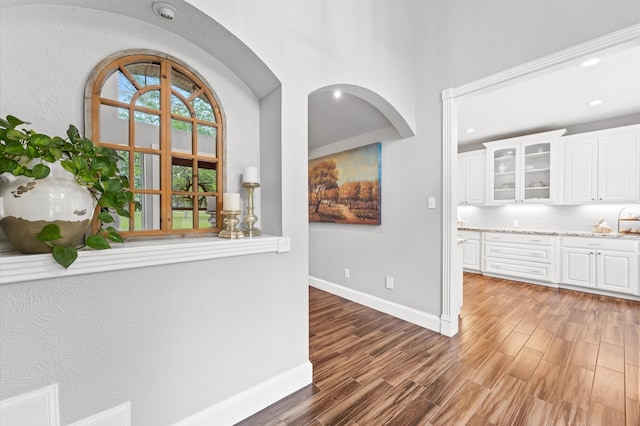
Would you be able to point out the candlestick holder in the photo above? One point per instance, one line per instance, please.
(250, 218)
(230, 225)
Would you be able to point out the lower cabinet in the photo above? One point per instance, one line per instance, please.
(609, 265)
(471, 253)
(601, 265)
(531, 257)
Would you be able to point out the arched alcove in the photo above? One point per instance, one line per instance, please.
(365, 110)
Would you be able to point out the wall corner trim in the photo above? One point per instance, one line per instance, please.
(423, 319)
(248, 402)
(39, 406)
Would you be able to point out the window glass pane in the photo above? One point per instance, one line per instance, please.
(181, 140)
(148, 218)
(206, 177)
(147, 130)
(203, 108)
(178, 107)
(182, 84)
(120, 223)
(204, 218)
(181, 178)
(182, 212)
(117, 87)
(207, 140)
(149, 100)
(145, 74)
(123, 162)
(146, 171)
(113, 128)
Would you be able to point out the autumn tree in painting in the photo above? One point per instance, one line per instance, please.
(323, 176)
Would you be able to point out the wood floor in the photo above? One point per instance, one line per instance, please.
(525, 355)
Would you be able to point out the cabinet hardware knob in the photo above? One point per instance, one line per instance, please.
(592, 252)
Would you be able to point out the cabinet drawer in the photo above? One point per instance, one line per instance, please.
(469, 235)
(541, 272)
(601, 243)
(531, 253)
(543, 240)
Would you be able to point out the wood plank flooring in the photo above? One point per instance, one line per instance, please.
(525, 355)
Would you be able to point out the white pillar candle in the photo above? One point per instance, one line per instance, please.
(250, 174)
(231, 201)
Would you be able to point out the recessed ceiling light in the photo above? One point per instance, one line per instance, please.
(590, 62)
(595, 102)
(469, 130)
(164, 10)
(337, 94)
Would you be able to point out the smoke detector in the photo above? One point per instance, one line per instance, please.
(164, 10)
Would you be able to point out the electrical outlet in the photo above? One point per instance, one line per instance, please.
(347, 273)
(284, 244)
(388, 283)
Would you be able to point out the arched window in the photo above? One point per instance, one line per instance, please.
(166, 124)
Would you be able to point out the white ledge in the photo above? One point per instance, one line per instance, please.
(17, 267)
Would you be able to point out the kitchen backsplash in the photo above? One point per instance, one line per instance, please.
(563, 218)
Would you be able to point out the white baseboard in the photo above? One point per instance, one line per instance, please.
(429, 321)
(246, 403)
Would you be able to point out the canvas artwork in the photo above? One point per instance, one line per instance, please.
(345, 187)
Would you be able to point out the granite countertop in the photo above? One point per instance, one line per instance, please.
(551, 232)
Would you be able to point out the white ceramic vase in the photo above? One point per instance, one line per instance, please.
(27, 205)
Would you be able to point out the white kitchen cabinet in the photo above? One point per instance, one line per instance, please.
(472, 178)
(602, 166)
(471, 251)
(524, 169)
(528, 256)
(604, 264)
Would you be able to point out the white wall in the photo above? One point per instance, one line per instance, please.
(173, 340)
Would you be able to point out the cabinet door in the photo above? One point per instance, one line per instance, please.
(581, 170)
(617, 271)
(537, 185)
(471, 255)
(578, 267)
(462, 178)
(476, 179)
(618, 168)
(503, 175)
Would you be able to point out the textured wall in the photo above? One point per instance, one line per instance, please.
(174, 339)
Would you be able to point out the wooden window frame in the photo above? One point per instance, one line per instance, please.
(167, 157)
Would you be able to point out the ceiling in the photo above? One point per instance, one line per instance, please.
(555, 100)
(334, 119)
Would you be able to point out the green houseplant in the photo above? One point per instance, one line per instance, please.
(27, 153)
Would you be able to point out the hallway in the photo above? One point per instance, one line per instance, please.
(525, 354)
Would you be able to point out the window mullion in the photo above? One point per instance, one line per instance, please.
(165, 145)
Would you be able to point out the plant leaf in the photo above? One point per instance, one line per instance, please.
(115, 237)
(40, 171)
(50, 232)
(98, 242)
(65, 256)
(105, 217)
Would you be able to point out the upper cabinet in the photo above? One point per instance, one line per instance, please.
(472, 174)
(602, 166)
(524, 169)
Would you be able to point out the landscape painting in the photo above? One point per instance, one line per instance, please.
(345, 187)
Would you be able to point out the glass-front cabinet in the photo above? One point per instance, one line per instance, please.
(523, 169)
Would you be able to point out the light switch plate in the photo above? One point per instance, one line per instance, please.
(432, 202)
